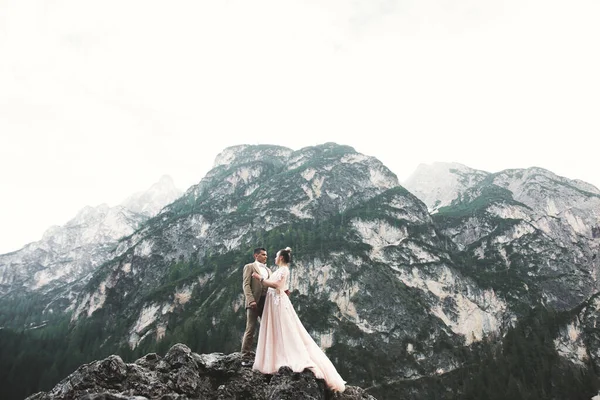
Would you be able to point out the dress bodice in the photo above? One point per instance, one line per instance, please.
(281, 276)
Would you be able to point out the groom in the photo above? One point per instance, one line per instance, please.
(255, 295)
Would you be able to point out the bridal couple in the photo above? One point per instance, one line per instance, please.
(282, 339)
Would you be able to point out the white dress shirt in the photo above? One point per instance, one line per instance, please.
(263, 270)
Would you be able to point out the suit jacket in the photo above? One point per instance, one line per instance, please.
(253, 289)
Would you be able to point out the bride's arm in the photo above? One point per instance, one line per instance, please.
(272, 283)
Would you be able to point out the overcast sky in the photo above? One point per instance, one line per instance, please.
(98, 99)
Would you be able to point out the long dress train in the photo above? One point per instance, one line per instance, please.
(283, 340)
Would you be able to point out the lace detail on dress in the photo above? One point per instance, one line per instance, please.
(276, 299)
(280, 276)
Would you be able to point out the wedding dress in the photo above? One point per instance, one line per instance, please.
(283, 340)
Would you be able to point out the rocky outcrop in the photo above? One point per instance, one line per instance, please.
(182, 374)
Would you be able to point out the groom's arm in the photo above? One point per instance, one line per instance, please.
(271, 283)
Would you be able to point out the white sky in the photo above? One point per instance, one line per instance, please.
(98, 99)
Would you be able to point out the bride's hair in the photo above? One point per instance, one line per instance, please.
(286, 254)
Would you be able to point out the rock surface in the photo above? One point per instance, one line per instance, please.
(182, 374)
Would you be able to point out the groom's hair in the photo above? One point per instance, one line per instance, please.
(259, 249)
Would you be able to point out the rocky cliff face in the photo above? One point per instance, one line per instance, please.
(182, 374)
(68, 253)
(579, 340)
(529, 234)
(398, 290)
(373, 278)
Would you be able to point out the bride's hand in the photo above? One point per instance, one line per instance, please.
(256, 276)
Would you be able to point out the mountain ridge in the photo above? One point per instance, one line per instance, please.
(393, 289)
(65, 254)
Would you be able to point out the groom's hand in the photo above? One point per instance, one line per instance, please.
(287, 292)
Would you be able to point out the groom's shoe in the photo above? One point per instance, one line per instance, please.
(247, 359)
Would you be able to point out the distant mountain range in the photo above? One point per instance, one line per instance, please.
(68, 253)
(403, 285)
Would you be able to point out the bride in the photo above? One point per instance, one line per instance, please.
(282, 339)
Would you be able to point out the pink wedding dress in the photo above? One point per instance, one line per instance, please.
(283, 340)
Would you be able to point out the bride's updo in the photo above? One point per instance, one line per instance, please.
(286, 254)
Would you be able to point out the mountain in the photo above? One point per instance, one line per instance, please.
(68, 253)
(536, 231)
(438, 184)
(151, 201)
(532, 237)
(372, 279)
(488, 282)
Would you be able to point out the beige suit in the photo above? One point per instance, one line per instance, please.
(253, 291)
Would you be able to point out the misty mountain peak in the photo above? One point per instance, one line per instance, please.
(152, 200)
(68, 252)
(263, 178)
(247, 153)
(439, 183)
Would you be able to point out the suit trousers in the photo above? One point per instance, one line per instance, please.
(251, 321)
